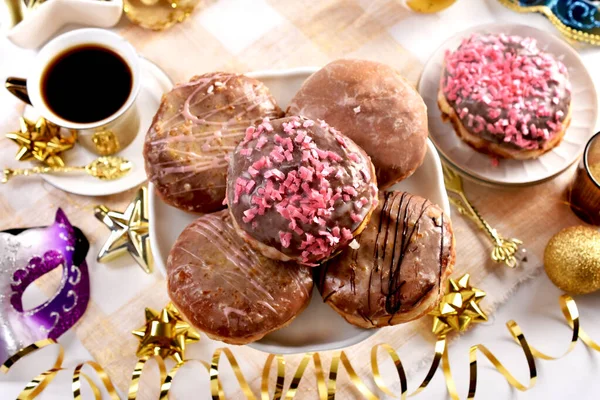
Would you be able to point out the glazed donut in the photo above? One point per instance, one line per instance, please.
(196, 126)
(227, 290)
(505, 97)
(373, 105)
(397, 272)
(299, 190)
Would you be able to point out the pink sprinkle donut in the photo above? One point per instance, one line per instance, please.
(505, 96)
(299, 190)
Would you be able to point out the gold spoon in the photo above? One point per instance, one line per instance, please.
(105, 168)
(505, 250)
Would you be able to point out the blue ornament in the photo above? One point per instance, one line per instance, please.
(576, 19)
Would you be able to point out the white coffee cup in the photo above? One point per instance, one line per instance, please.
(108, 135)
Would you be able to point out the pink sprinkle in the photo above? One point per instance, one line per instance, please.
(240, 186)
(350, 190)
(259, 164)
(354, 157)
(346, 234)
(267, 125)
(249, 132)
(276, 173)
(249, 214)
(252, 171)
(262, 140)
(277, 154)
(285, 238)
(305, 174)
(300, 136)
(308, 123)
(246, 151)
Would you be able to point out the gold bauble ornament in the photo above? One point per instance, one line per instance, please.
(572, 259)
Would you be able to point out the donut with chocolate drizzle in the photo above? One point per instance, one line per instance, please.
(195, 128)
(504, 96)
(397, 271)
(299, 190)
(229, 291)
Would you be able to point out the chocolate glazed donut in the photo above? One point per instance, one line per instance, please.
(195, 128)
(373, 105)
(505, 97)
(399, 271)
(299, 189)
(229, 291)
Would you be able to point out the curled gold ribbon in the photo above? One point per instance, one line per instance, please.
(326, 388)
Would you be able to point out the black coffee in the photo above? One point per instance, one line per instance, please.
(87, 83)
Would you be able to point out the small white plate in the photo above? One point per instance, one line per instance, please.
(318, 328)
(513, 172)
(155, 82)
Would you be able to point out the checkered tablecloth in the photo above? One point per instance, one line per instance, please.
(250, 35)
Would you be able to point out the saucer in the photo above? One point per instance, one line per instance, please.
(478, 166)
(155, 82)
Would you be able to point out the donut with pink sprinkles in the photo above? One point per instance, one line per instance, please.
(300, 190)
(505, 96)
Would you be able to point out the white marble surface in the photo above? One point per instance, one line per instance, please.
(534, 306)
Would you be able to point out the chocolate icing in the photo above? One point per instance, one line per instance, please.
(197, 125)
(350, 174)
(228, 290)
(553, 85)
(405, 253)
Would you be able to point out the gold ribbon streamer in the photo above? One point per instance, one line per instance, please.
(326, 390)
(102, 375)
(292, 390)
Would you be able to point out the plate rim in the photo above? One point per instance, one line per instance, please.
(473, 175)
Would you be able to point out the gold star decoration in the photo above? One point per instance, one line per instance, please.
(165, 334)
(129, 232)
(42, 141)
(459, 307)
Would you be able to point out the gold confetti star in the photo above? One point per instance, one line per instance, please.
(459, 308)
(165, 334)
(129, 232)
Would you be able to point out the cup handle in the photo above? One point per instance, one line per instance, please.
(18, 88)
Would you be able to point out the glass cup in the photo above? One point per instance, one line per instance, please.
(584, 194)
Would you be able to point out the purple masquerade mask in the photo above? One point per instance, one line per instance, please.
(26, 255)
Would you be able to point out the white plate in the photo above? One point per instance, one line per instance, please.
(513, 172)
(154, 83)
(318, 328)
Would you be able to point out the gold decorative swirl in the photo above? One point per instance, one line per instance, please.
(326, 389)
